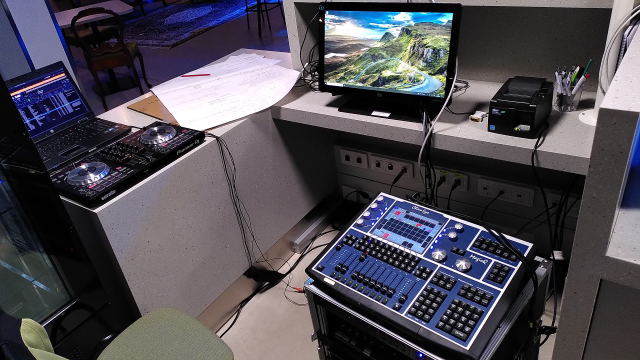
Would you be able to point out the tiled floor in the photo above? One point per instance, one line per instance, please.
(165, 64)
(272, 328)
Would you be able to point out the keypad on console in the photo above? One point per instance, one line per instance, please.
(427, 303)
(460, 319)
(494, 248)
(476, 295)
(444, 281)
(498, 273)
(422, 272)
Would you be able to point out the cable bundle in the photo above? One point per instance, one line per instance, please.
(309, 75)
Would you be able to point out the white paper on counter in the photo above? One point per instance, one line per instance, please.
(213, 103)
(229, 67)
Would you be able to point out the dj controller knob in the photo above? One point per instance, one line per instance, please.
(453, 236)
(360, 222)
(366, 215)
(439, 255)
(373, 207)
(463, 264)
(459, 227)
(380, 199)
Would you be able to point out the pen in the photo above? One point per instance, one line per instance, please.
(575, 74)
(194, 75)
(579, 84)
(587, 68)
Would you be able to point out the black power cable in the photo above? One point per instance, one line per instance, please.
(266, 286)
(397, 178)
(453, 187)
(500, 193)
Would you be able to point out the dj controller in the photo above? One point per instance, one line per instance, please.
(440, 282)
(98, 177)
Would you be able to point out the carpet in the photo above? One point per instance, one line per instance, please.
(180, 21)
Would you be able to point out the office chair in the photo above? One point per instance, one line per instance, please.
(163, 334)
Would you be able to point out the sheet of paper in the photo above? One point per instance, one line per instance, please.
(228, 67)
(213, 103)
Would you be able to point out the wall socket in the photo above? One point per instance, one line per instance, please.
(354, 158)
(450, 177)
(555, 198)
(390, 166)
(512, 193)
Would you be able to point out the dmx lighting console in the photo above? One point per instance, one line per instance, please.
(440, 282)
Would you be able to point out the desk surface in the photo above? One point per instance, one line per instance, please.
(566, 148)
(64, 17)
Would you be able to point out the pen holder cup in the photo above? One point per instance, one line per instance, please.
(566, 103)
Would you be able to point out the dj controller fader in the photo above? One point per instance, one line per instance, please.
(441, 282)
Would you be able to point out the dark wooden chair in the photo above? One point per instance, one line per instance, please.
(262, 7)
(140, 3)
(106, 56)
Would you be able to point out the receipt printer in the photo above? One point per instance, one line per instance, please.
(520, 107)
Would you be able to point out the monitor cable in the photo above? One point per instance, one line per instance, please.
(428, 127)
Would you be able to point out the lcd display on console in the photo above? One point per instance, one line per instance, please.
(402, 52)
(409, 229)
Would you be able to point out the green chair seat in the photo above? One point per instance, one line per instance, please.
(132, 46)
(166, 334)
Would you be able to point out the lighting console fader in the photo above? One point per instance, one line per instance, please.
(440, 282)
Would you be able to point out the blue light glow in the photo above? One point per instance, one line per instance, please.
(420, 355)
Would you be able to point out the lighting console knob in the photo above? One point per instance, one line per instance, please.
(439, 255)
(380, 199)
(453, 236)
(360, 222)
(373, 207)
(459, 227)
(463, 264)
(366, 215)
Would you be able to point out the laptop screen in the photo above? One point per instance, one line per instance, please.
(49, 101)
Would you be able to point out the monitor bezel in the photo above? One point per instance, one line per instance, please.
(455, 9)
(59, 65)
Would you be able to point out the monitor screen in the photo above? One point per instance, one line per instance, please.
(404, 52)
(49, 101)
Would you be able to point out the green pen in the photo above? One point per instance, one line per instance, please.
(575, 73)
(587, 68)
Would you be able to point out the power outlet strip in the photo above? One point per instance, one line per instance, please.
(451, 176)
(354, 158)
(512, 193)
(390, 166)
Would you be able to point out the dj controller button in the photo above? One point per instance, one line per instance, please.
(385, 301)
(397, 307)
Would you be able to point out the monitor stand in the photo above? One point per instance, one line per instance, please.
(405, 111)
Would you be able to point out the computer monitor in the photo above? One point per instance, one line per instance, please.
(395, 51)
(48, 101)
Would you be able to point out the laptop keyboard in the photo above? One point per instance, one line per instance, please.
(76, 135)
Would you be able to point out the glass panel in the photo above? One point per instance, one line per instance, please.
(30, 286)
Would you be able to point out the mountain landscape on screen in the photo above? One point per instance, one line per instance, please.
(393, 51)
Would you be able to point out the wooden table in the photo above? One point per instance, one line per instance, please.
(64, 17)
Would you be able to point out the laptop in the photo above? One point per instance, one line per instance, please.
(57, 116)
